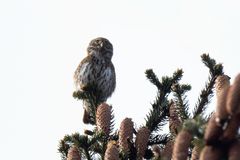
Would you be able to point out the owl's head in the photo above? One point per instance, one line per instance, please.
(100, 47)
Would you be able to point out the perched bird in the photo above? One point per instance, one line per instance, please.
(96, 69)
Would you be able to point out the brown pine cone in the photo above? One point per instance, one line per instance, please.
(111, 152)
(234, 151)
(125, 133)
(196, 152)
(103, 118)
(213, 131)
(222, 87)
(233, 100)
(167, 151)
(142, 141)
(211, 153)
(174, 121)
(231, 131)
(221, 83)
(156, 151)
(181, 145)
(73, 154)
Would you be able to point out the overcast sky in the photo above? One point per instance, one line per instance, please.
(42, 43)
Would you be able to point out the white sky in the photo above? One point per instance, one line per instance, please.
(42, 43)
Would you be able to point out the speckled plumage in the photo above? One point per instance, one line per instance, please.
(97, 69)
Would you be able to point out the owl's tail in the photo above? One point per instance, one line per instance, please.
(86, 117)
(89, 113)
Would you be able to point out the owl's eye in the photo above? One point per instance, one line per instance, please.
(98, 43)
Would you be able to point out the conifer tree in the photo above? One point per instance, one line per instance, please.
(193, 134)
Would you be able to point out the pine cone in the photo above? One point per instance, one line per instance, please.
(196, 152)
(182, 143)
(222, 87)
(167, 151)
(156, 151)
(233, 152)
(231, 131)
(233, 100)
(211, 153)
(222, 82)
(174, 121)
(103, 118)
(213, 131)
(125, 133)
(142, 141)
(73, 154)
(112, 152)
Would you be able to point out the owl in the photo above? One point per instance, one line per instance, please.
(97, 69)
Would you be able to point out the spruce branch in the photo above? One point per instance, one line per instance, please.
(98, 142)
(89, 94)
(91, 98)
(63, 149)
(209, 62)
(114, 136)
(148, 154)
(167, 82)
(159, 139)
(95, 145)
(153, 78)
(95, 138)
(177, 75)
(87, 154)
(81, 141)
(132, 154)
(112, 122)
(180, 99)
(159, 113)
(90, 101)
(157, 117)
(206, 94)
(64, 146)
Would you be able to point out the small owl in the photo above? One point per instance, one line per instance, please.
(97, 69)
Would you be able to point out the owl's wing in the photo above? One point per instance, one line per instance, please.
(110, 74)
(108, 79)
(81, 74)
